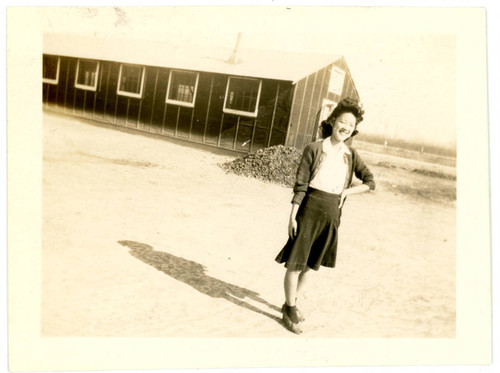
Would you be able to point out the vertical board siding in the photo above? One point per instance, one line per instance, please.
(315, 107)
(323, 90)
(45, 92)
(70, 91)
(282, 114)
(295, 112)
(121, 109)
(51, 94)
(348, 90)
(78, 101)
(285, 105)
(146, 104)
(245, 134)
(159, 105)
(215, 109)
(300, 141)
(184, 121)
(171, 116)
(263, 122)
(89, 104)
(110, 111)
(286, 113)
(311, 104)
(61, 95)
(200, 111)
(274, 113)
(100, 95)
(228, 131)
(134, 105)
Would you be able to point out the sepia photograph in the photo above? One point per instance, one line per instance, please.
(264, 175)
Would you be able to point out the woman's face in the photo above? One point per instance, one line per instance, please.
(344, 126)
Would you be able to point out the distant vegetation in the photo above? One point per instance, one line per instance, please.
(431, 173)
(407, 145)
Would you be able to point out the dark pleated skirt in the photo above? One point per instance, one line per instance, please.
(315, 243)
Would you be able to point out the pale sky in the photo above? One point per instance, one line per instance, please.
(402, 60)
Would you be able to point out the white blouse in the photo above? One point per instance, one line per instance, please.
(332, 173)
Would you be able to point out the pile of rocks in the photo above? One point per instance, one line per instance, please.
(276, 164)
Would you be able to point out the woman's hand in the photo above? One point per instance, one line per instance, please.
(342, 198)
(292, 228)
(352, 190)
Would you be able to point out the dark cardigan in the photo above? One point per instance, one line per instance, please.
(312, 157)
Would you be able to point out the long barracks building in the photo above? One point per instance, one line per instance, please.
(237, 99)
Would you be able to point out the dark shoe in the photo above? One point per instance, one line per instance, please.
(299, 316)
(287, 320)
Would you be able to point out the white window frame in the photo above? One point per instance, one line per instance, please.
(240, 112)
(130, 94)
(337, 80)
(177, 102)
(83, 86)
(56, 80)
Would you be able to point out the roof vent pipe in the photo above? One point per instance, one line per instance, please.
(235, 57)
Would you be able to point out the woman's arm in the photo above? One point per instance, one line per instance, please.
(363, 173)
(292, 224)
(303, 175)
(353, 190)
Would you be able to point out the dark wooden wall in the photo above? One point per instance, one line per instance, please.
(204, 123)
(308, 99)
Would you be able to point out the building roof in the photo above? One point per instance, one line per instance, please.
(270, 64)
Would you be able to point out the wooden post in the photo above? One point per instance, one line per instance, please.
(154, 99)
(163, 121)
(274, 115)
(66, 87)
(290, 115)
(177, 120)
(208, 109)
(220, 129)
(236, 132)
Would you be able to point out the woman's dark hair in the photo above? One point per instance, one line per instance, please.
(347, 105)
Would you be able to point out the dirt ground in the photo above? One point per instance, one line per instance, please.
(146, 237)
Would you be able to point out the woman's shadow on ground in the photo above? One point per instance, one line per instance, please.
(193, 274)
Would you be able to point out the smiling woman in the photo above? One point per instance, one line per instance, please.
(346, 115)
(324, 180)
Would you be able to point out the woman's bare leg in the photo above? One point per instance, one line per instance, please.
(290, 313)
(291, 283)
(303, 276)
